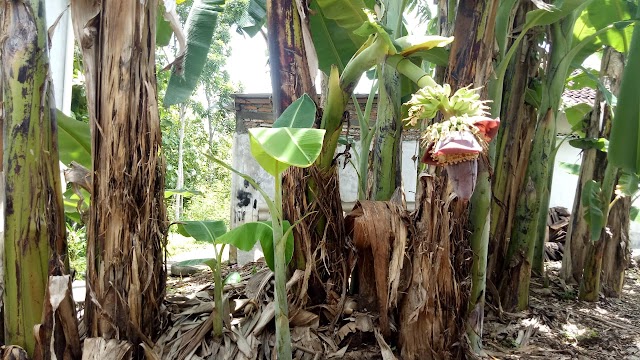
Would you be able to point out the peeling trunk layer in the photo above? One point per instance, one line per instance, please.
(432, 310)
(34, 230)
(321, 248)
(125, 276)
(380, 234)
(58, 335)
(617, 250)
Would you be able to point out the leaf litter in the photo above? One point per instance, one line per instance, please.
(557, 325)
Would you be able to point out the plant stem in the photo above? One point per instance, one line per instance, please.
(415, 73)
(283, 335)
(217, 293)
(479, 220)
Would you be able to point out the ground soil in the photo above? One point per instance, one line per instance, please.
(557, 325)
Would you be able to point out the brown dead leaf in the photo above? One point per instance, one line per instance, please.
(387, 353)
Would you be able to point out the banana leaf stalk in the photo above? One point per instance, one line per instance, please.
(283, 334)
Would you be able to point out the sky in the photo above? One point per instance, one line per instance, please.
(249, 64)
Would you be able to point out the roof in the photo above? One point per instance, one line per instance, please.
(254, 110)
(573, 97)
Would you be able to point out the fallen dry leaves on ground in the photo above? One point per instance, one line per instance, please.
(557, 326)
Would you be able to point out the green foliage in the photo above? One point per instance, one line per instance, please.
(627, 183)
(599, 15)
(333, 23)
(573, 169)
(203, 230)
(290, 141)
(300, 114)
(593, 213)
(276, 149)
(412, 44)
(601, 144)
(74, 141)
(163, 27)
(77, 248)
(245, 236)
(554, 13)
(182, 192)
(253, 20)
(201, 24)
(577, 117)
(625, 143)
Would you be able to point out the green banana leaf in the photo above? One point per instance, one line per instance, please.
(624, 147)
(576, 117)
(598, 15)
(332, 24)
(592, 203)
(74, 140)
(275, 149)
(255, 17)
(628, 183)
(163, 27)
(267, 244)
(558, 11)
(208, 230)
(245, 236)
(201, 23)
(413, 43)
(300, 114)
(601, 144)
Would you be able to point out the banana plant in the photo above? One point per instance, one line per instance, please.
(290, 142)
(243, 237)
(624, 133)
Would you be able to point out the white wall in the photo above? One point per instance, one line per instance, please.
(61, 52)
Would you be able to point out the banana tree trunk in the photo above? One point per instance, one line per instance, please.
(386, 160)
(590, 283)
(513, 146)
(439, 262)
(125, 235)
(592, 168)
(34, 230)
(612, 68)
(514, 287)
